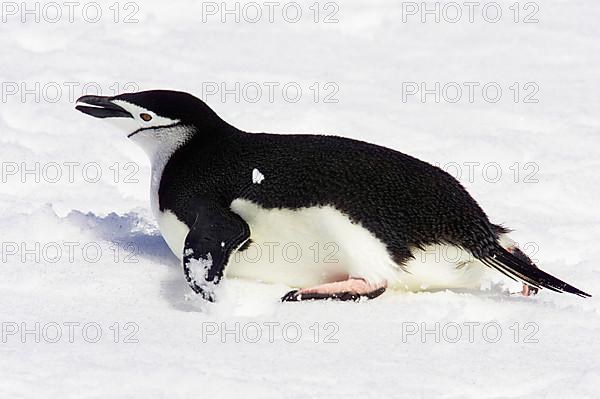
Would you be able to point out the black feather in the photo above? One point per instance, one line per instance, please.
(517, 269)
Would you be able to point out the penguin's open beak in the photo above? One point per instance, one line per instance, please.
(101, 107)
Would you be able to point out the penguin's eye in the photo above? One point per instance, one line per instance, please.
(146, 117)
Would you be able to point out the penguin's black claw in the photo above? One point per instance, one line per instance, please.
(296, 296)
(376, 293)
(291, 296)
(345, 296)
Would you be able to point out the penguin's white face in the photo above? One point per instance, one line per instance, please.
(157, 120)
(141, 118)
(151, 131)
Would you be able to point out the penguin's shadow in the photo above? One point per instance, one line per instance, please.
(138, 236)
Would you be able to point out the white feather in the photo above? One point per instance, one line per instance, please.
(311, 246)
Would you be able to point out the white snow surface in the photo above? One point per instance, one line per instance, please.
(170, 344)
(199, 268)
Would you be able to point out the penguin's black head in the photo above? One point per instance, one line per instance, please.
(156, 117)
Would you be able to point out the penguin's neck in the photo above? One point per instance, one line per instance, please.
(160, 145)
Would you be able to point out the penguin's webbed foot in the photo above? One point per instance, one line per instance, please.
(529, 290)
(352, 289)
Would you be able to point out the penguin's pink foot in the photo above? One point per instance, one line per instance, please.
(528, 290)
(349, 290)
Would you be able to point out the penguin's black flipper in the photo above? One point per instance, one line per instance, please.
(518, 269)
(216, 233)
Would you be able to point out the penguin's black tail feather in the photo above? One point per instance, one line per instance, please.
(518, 269)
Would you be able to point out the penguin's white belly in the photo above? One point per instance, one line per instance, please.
(310, 246)
(439, 267)
(173, 231)
(307, 246)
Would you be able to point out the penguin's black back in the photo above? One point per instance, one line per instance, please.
(403, 201)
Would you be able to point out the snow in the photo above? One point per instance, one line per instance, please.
(81, 253)
(199, 268)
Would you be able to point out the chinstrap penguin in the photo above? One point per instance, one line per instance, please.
(216, 191)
